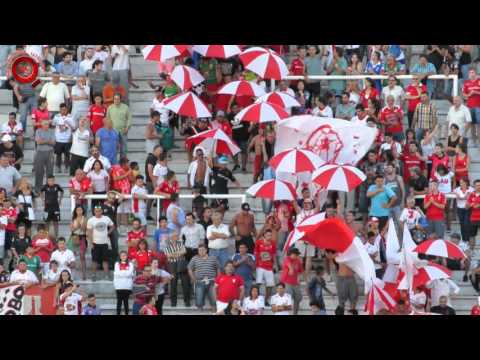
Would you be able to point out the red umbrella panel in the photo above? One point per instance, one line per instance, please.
(332, 234)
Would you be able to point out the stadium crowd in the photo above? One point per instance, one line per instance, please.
(80, 128)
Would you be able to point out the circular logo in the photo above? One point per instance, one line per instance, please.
(325, 142)
(25, 69)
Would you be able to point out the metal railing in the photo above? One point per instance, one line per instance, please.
(158, 198)
(448, 196)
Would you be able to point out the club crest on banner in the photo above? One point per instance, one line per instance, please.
(325, 142)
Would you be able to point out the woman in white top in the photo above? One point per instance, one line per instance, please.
(462, 192)
(123, 276)
(81, 139)
(160, 170)
(100, 181)
(160, 288)
(322, 109)
(428, 146)
(254, 304)
(53, 275)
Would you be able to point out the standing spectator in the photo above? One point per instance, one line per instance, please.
(97, 78)
(150, 162)
(435, 203)
(119, 114)
(361, 116)
(68, 68)
(151, 134)
(95, 152)
(459, 115)
(192, 235)
(134, 237)
(461, 163)
(265, 260)
(162, 234)
(107, 139)
(439, 157)
(123, 281)
(96, 114)
(471, 91)
(315, 288)
(109, 91)
(396, 184)
(315, 64)
(121, 66)
(391, 117)
(345, 110)
(424, 117)
(177, 266)
(56, 93)
(297, 66)
(64, 126)
(160, 288)
(14, 129)
(139, 197)
(80, 99)
(244, 264)
(369, 92)
(91, 307)
(175, 215)
(473, 203)
(79, 186)
(81, 138)
(12, 151)
(410, 160)
(338, 66)
(63, 256)
(52, 195)
(45, 140)
(292, 269)
(382, 199)
(100, 181)
(160, 170)
(243, 228)
(5, 53)
(144, 288)
(98, 229)
(282, 302)
(167, 188)
(241, 135)
(462, 193)
(229, 287)
(423, 69)
(442, 288)
(87, 62)
(413, 94)
(375, 67)
(21, 241)
(203, 269)
(120, 175)
(78, 227)
(217, 235)
(43, 245)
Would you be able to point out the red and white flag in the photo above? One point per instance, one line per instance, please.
(378, 299)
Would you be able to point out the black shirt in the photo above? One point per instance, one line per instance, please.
(152, 160)
(219, 180)
(4, 277)
(51, 196)
(419, 184)
(240, 131)
(13, 154)
(20, 245)
(447, 310)
(198, 205)
(111, 211)
(436, 59)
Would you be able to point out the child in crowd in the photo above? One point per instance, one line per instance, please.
(199, 203)
(52, 195)
(139, 200)
(91, 307)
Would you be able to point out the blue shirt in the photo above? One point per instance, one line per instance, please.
(88, 310)
(244, 270)
(419, 69)
(380, 199)
(161, 236)
(109, 140)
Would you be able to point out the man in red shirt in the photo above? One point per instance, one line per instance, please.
(133, 238)
(471, 91)
(435, 203)
(96, 114)
(473, 202)
(79, 186)
(43, 247)
(412, 95)
(265, 254)
(221, 122)
(475, 309)
(145, 284)
(292, 269)
(228, 286)
(297, 66)
(120, 175)
(391, 117)
(437, 158)
(412, 160)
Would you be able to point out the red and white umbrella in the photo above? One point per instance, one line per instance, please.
(214, 141)
(261, 113)
(264, 62)
(163, 52)
(338, 177)
(299, 232)
(294, 161)
(186, 77)
(378, 299)
(273, 190)
(426, 274)
(217, 51)
(279, 98)
(242, 88)
(442, 248)
(187, 104)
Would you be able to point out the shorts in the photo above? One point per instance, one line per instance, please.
(257, 166)
(62, 148)
(141, 217)
(221, 305)
(125, 207)
(52, 215)
(243, 145)
(347, 290)
(305, 248)
(295, 291)
(266, 277)
(100, 253)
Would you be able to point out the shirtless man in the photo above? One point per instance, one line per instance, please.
(243, 226)
(258, 143)
(346, 286)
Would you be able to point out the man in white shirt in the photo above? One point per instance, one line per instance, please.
(80, 99)
(99, 228)
(63, 256)
(442, 287)
(96, 156)
(64, 125)
(87, 62)
(361, 115)
(200, 164)
(56, 93)
(217, 235)
(192, 234)
(394, 90)
(121, 67)
(72, 300)
(282, 303)
(459, 114)
(23, 276)
(139, 200)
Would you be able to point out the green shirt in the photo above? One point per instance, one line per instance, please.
(120, 116)
(33, 263)
(339, 85)
(211, 67)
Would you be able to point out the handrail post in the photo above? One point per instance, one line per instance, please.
(455, 85)
(72, 203)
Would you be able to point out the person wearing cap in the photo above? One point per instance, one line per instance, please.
(219, 183)
(56, 93)
(12, 151)
(243, 228)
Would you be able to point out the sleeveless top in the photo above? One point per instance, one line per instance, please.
(453, 144)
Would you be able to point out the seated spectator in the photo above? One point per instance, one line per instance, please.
(361, 115)
(13, 128)
(87, 62)
(63, 256)
(345, 110)
(369, 92)
(72, 299)
(282, 302)
(375, 67)
(95, 152)
(391, 117)
(254, 304)
(443, 308)
(393, 89)
(23, 276)
(233, 308)
(423, 69)
(143, 256)
(53, 275)
(229, 287)
(322, 109)
(34, 263)
(12, 151)
(79, 186)
(167, 188)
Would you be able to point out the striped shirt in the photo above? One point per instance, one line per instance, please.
(425, 116)
(202, 268)
(175, 247)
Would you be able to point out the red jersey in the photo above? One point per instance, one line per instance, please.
(123, 186)
(475, 310)
(437, 161)
(134, 236)
(434, 213)
(474, 199)
(82, 185)
(469, 86)
(364, 97)
(264, 254)
(10, 213)
(148, 309)
(46, 247)
(297, 270)
(39, 115)
(96, 114)
(222, 101)
(228, 287)
(225, 126)
(392, 119)
(412, 91)
(297, 67)
(244, 101)
(165, 187)
(410, 161)
(461, 164)
(143, 258)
